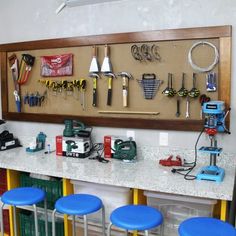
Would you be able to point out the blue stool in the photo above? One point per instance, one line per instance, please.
(24, 196)
(135, 217)
(206, 226)
(78, 205)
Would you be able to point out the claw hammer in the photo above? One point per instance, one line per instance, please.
(125, 86)
(94, 76)
(110, 76)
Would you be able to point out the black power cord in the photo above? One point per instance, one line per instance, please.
(99, 149)
(189, 169)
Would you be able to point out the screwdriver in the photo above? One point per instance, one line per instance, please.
(76, 84)
(83, 88)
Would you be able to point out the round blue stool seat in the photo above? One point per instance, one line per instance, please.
(205, 226)
(78, 204)
(23, 196)
(136, 217)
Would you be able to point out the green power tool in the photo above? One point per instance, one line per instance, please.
(125, 150)
(70, 145)
(74, 127)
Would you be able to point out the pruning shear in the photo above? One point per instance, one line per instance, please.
(99, 158)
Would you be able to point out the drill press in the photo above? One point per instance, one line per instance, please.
(215, 115)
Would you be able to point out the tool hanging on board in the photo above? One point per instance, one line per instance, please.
(125, 86)
(145, 53)
(208, 68)
(94, 66)
(183, 92)
(95, 77)
(13, 62)
(76, 84)
(106, 65)
(67, 85)
(211, 82)
(110, 76)
(194, 92)
(169, 91)
(150, 85)
(35, 99)
(131, 112)
(187, 107)
(177, 114)
(93, 73)
(57, 65)
(83, 85)
(26, 64)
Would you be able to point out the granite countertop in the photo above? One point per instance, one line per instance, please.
(144, 174)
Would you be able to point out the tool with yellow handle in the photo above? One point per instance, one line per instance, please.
(94, 76)
(83, 84)
(125, 86)
(110, 76)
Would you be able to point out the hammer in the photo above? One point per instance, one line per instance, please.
(109, 94)
(125, 85)
(95, 76)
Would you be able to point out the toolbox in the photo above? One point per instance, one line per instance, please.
(78, 147)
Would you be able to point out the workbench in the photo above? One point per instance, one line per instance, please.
(144, 174)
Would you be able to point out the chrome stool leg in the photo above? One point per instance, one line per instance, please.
(146, 232)
(103, 221)
(73, 225)
(85, 226)
(46, 216)
(109, 229)
(53, 222)
(1, 217)
(36, 220)
(14, 219)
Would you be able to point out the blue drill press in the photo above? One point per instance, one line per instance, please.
(215, 115)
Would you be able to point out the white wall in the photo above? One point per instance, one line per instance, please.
(26, 20)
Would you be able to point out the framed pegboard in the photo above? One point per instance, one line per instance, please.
(173, 47)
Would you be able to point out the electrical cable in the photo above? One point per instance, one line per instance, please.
(187, 175)
(99, 149)
(223, 121)
(202, 69)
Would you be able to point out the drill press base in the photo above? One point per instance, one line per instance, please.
(211, 173)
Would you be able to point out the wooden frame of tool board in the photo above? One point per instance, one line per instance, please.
(222, 34)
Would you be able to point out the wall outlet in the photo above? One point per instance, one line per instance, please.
(130, 134)
(163, 139)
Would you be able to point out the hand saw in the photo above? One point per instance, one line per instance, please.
(13, 62)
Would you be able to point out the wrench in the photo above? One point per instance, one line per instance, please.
(177, 114)
(187, 107)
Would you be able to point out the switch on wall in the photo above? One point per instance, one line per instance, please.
(130, 134)
(163, 139)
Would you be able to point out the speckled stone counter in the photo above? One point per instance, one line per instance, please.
(144, 174)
